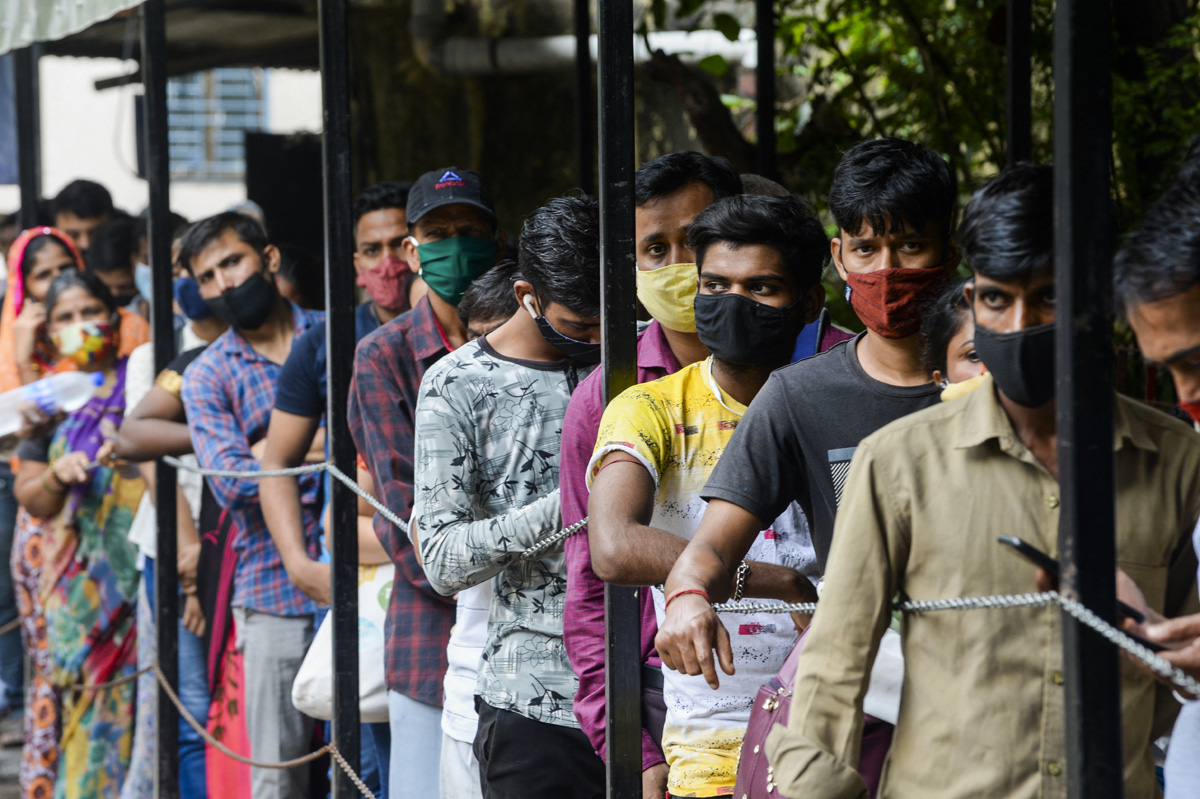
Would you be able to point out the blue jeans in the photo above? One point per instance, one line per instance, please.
(12, 656)
(375, 745)
(193, 692)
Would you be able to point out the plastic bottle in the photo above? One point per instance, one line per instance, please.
(68, 391)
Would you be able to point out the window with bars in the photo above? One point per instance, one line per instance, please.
(209, 114)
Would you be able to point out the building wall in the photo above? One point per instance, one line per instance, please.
(90, 134)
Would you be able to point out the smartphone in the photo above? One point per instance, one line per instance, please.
(1044, 561)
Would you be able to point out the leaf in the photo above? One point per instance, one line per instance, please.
(728, 25)
(714, 65)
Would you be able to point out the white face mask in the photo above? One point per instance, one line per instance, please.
(143, 278)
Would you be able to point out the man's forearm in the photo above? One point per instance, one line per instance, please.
(285, 520)
(147, 439)
(459, 554)
(633, 555)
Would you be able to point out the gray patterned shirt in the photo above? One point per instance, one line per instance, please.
(486, 473)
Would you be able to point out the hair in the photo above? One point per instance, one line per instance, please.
(306, 272)
(85, 199)
(206, 231)
(84, 279)
(43, 215)
(112, 247)
(788, 226)
(1007, 231)
(388, 194)
(560, 254)
(888, 183)
(141, 226)
(36, 245)
(490, 296)
(1161, 259)
(671, 172)
(941, 319)
(762, 187)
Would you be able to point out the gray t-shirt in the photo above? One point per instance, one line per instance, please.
(795, 442)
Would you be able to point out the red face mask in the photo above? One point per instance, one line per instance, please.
(386, 284)
(888, 301)
(1192, 409)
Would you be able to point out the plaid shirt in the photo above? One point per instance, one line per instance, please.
(388, 367)
(228, 393)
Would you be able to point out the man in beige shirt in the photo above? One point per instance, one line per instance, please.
(982, 709)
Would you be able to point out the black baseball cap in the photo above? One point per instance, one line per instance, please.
(448, 186)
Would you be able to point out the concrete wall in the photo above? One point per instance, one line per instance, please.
(90, 134)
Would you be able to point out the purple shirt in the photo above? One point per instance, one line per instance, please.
(583, 620)
(228, 393)
(388, 367)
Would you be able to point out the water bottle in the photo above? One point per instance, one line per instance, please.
(68, 391)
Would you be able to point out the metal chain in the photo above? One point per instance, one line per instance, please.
(248, 475)
(532, 553)
(104, 686)
(1176, 676)
(1162, 668)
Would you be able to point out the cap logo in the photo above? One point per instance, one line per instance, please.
(449, 179)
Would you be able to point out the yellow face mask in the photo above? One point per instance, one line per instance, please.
(669, 294)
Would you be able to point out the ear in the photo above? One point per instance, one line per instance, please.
(523, 289)
(357, 267)
(969, 293)
(814, 301)
(272, 257)
(409, 250)
(938, 377)
(835, 251)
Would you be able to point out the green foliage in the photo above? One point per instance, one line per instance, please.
(934, 71)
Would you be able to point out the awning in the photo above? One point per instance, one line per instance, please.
(23, 22)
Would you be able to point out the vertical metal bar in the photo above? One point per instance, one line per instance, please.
(339, 347)
(622, 611)
(166, 585)
(764, 81)
(1083, 270)
(29, 137)
(586, 112)
(1018, 101)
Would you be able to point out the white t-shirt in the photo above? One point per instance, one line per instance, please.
(143, 532)
(467, 640)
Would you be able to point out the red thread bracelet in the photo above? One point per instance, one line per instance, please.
(683, 591)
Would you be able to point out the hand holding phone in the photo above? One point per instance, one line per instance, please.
(1044, 561)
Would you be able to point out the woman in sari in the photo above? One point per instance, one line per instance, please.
(35, 259)
(89, 576)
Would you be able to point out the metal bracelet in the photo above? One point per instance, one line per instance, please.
(739, 582)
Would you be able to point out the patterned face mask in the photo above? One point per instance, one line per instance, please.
(85, 343)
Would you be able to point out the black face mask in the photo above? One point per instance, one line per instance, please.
(125, 300)
(580, 353)
(247, 306)
(742, 332)
(1021, 362)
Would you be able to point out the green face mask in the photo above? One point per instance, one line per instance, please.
(448, 266)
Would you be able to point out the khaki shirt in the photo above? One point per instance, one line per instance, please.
(982, 710)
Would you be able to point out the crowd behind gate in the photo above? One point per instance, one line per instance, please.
(765, 456)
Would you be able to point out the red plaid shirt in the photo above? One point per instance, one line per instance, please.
(388, 367)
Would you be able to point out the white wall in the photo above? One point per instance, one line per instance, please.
(90, 134)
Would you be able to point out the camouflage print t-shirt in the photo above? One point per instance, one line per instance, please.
(486, 485)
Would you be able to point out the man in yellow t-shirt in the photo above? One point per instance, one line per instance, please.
(759, 264)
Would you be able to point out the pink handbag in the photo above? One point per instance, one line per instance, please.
(755, 777)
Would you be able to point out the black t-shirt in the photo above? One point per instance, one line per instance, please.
(795, 442)
(301, 389)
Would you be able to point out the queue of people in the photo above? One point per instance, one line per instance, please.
(765, 455)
